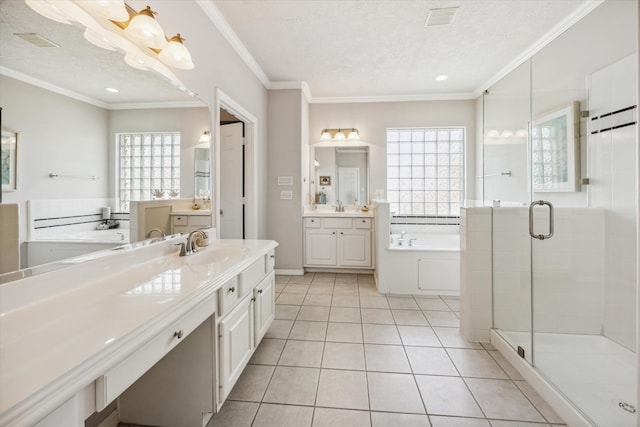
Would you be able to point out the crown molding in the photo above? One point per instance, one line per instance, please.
(462, 96)
(153, 105)
(550, 36)
(218, 20)
(283, 85)
(51, 87)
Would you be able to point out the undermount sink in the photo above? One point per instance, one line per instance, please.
(213, 255)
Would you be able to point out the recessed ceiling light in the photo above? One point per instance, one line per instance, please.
(442, 77)
(111, 89)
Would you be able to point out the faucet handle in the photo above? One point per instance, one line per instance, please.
(183, 250)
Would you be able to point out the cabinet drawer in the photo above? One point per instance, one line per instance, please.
(180, 220)
(228, 296)
(271, 262)
(117, 379)
(251, 276)
(363, 223)
(337, 222)
(201, 220)
(312, 222)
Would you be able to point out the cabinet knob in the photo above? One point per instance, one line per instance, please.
(178, 334)
(313, 220)
(333, 232)
(342, 232)
(259, 291)
(253, 299)
(364, 221)
(232, 289)
(272, 256)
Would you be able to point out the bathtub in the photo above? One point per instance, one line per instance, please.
(425, 261)
(55, 247)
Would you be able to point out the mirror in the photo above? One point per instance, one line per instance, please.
(55, 98)
(340, 174)
(202, 170)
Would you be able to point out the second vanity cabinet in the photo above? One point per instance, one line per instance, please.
(338, 242)
(187, 221)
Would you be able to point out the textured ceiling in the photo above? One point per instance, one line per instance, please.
(354, 48)
(76, 65)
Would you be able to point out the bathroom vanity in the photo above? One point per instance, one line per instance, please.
(338, 240)
(165, 335)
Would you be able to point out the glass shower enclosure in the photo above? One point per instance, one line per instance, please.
(560, 162)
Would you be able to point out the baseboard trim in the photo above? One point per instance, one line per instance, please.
(290, 272)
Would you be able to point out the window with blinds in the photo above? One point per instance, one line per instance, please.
(425, 172)
(148, 166)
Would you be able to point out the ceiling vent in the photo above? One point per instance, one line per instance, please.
(439, 17)
(36, 39)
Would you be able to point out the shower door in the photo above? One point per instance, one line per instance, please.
(505, 183)
(582, 233)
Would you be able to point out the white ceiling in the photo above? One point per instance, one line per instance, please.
(343, 49)
(380, 48)
(76, 68)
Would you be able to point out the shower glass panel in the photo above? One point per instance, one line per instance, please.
(505, 182)
(583, 276)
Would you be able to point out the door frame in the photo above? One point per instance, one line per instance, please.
(224, 101)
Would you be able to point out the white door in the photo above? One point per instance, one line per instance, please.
(231, 182)
(348, 185)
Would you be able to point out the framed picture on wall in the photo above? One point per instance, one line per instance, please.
(325, 180)
(8, 161)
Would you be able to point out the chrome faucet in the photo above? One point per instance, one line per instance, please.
(150, 232)
(191, 241)
(401, 239)
(411, 241)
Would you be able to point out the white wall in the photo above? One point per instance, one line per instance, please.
(287, 111)
(55, 134)
(190, 122)
(373, 119)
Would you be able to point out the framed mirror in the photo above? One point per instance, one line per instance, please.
(9, 159)
(340, 174)
(555, 150)
(202, 171)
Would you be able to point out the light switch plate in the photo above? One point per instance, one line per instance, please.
(286, 195)
(285, 180)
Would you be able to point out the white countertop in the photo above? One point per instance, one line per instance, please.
(352, 214)
(53, 346)
(204, 212)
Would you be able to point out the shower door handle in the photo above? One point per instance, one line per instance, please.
(541, 236)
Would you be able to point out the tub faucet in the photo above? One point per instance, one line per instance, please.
(411, 241)
(150, 232)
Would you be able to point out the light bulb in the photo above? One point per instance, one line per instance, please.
(353, 134)
(113, 10)
(144, 29)
(176, 54)
(339, 135)
(325, 135)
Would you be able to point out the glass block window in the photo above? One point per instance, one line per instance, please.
(425, 171)
(148, 165)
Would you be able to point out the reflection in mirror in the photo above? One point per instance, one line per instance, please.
(202, 171)
(68, 123)
(341, 174)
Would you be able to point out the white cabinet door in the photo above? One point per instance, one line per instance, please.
(320, 247)
(265, 306)
(236, 344)
(354, 248)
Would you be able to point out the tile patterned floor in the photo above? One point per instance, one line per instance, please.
(340, 354)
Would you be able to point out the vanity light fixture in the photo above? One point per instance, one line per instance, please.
(176, 55)
(339, 134)
(112, 24)
(144, 29)
(205, 137)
